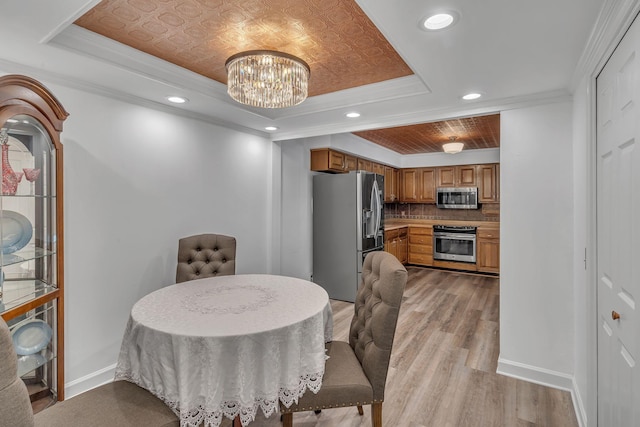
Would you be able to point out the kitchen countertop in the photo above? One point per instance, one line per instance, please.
(396, 223)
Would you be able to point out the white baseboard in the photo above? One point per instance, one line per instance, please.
(90, 381)
(547, 378)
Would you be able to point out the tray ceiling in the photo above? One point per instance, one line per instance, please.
(339, 42)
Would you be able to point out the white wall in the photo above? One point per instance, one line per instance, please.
(136, 180)
(536, 247)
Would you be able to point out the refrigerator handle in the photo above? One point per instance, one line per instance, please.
(375, 204)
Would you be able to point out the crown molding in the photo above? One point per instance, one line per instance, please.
(612, 23)
(90, 87)
(426, 115)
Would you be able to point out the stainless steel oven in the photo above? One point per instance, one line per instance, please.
(454, 243)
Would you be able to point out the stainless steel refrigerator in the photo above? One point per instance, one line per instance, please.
(348, 223)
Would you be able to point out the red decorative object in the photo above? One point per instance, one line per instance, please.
(9, 178)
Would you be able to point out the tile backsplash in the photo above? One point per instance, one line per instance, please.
(486, 212)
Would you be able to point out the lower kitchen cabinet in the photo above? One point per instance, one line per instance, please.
(395, 242)
(421, 245)
(488, 250)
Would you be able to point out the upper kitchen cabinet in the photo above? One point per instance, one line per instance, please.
(409, 185)
(328, 160)
(365, 165)
(457, 176)
(418, 185)
(390, 184)
(427, 185)
(488, 188)
(31, 229)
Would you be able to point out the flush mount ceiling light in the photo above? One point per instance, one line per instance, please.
(439, 21)
(267, 79)
(452, 147)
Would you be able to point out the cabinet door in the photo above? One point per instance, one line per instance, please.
(377, 168)
(365, 165)
(351, 163)
(487, 188)
(466, 176)
(409, 188)
(488, 255)
(403, 247)
(390, 184)
(427, 185)
(336, 160)
(446, 176)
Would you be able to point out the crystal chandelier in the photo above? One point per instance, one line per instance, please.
(452, 147)
(267, 79)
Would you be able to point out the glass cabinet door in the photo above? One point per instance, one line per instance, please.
(28, 246)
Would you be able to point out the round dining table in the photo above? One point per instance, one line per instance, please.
(225, 346)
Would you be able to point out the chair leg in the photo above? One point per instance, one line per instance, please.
(360, 410)
(287, 419)
(236, 422)
(376, 414)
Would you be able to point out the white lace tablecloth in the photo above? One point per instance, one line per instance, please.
(228, 345)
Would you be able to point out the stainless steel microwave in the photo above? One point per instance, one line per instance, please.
(457, 198)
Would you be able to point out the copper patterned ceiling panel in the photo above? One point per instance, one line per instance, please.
(474, 132)
(338, 41)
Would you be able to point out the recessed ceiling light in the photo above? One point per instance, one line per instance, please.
(353, 115)
(470, 96)
(271, 128)
(177, 99)
(439, 21)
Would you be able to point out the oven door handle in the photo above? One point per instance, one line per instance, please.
(455, 236)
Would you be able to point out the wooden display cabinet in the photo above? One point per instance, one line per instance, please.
(31, 217)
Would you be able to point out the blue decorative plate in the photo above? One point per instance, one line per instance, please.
(16, 231)
(31, 337)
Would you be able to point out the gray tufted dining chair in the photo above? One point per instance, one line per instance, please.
(205, 255)
(118, 403)
(356, 372)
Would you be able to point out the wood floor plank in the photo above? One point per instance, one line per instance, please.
(442, 369)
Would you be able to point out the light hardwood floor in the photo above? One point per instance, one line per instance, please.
(443, 364)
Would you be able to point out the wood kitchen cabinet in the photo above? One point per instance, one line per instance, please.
(427, 185)
(457, 176)
(365, 165)
(488, 250)
(377, 168)
(328, 160)
(403, 245)
(409, 185)
(420, 246)
(488, 190)
(391, 184)
(395, 242)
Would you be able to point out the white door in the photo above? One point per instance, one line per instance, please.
(618, 234)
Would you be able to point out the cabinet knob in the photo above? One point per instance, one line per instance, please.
(615, 315)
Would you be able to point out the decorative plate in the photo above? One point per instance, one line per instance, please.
(16, 231)
(30, 362)
(31, 337)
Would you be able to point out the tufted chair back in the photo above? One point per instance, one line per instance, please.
(376, 313)
(15, 406)
(205, 255)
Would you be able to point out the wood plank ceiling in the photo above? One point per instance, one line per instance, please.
(338, 41)
(475, 132)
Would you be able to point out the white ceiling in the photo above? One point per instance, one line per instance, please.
(512, 51)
